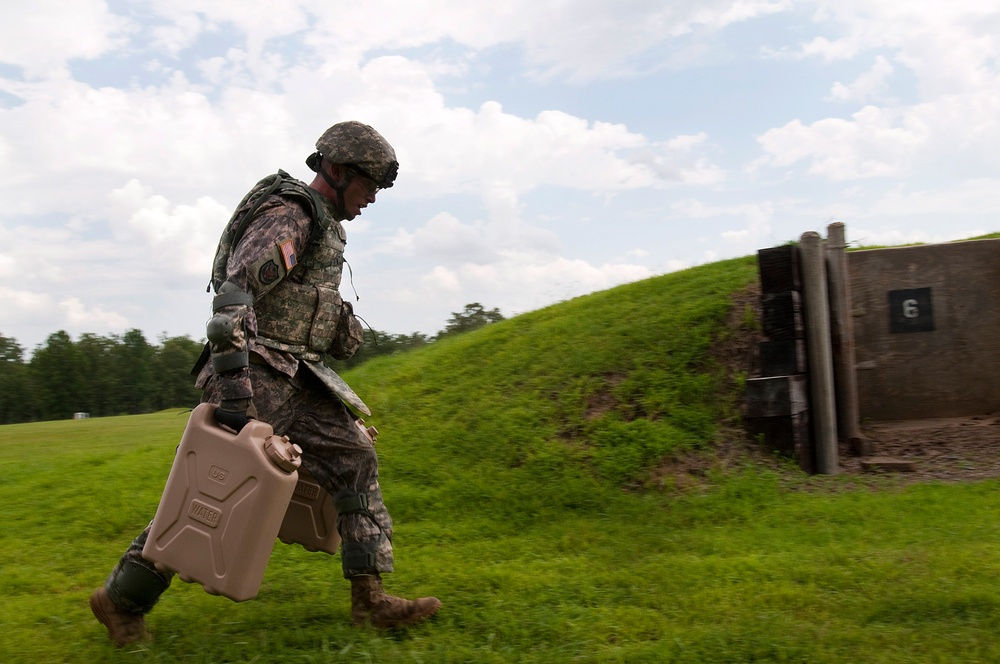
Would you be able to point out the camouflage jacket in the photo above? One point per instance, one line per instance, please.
(298, 314)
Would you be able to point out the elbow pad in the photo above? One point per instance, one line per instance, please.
(220, 329)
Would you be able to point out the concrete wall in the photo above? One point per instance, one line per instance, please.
(927, 329)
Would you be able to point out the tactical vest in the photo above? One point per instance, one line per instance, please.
(301, 313)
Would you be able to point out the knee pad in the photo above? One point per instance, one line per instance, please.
(136, 588)
(351, 502)
(357, 558)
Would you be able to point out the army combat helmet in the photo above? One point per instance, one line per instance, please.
(359, 147)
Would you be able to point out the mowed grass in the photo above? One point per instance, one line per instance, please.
(517, 462)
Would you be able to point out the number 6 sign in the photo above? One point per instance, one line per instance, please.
(910, 310)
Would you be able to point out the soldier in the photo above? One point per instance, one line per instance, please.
(277, 312)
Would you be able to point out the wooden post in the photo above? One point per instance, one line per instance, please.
(817, 314)
(842, 330)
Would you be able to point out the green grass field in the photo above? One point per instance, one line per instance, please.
(518, 463)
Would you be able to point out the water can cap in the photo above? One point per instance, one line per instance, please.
(283, 453)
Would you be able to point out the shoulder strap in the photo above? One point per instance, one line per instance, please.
(280, 183)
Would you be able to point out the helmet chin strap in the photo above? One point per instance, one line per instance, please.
(339, 188)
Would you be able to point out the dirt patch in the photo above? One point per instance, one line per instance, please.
(603, 401)
(737, 349)
(959, 449)
(948, 449)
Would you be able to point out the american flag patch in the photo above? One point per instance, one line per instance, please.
(288, 253)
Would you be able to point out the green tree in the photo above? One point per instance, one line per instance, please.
(100, 380)
(172, 363)
(132, 360)
(16, 402)
(56, 374)
(10, 350)
(472, 317)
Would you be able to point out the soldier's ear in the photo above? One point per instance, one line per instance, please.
(337, 171)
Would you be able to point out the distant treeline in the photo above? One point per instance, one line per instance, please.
(127, 375)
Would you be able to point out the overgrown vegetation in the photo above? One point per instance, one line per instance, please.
(515, 460)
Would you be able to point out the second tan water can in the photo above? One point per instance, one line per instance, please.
(311, 518)
(223, 505)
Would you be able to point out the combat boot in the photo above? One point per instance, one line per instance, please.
(370, 605)
(123, 627)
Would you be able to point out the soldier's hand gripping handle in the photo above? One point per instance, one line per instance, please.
(232, 413)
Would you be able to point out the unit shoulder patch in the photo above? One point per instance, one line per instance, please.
(268, 273)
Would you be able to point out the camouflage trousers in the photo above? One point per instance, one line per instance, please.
(334, 451)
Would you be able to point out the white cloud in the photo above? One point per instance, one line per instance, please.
(441, 278)
(180, 139)
(171, 239)
(489, 151)
(980, 196)
(875, 142)
(951, 47)
(130, 137)
(754, 220)
(870, 86)
(260, 20)
(520, 282)
(24, 304)
(583, 39)
(458, 149)
(446, 240)
(445, 235)
(88, 140)
(40, 314)
(43, 35)
(78, 317)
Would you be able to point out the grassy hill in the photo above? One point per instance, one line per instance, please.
(522, 464)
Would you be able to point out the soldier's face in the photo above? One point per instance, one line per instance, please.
(358, 195)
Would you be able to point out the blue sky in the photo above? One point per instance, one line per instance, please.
(547, 150)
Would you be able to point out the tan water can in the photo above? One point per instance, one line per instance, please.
(311, 518)
(223, 504)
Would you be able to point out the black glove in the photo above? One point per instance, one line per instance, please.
(232, 413)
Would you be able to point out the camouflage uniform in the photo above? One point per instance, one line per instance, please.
(273, 351)
(285, 380)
